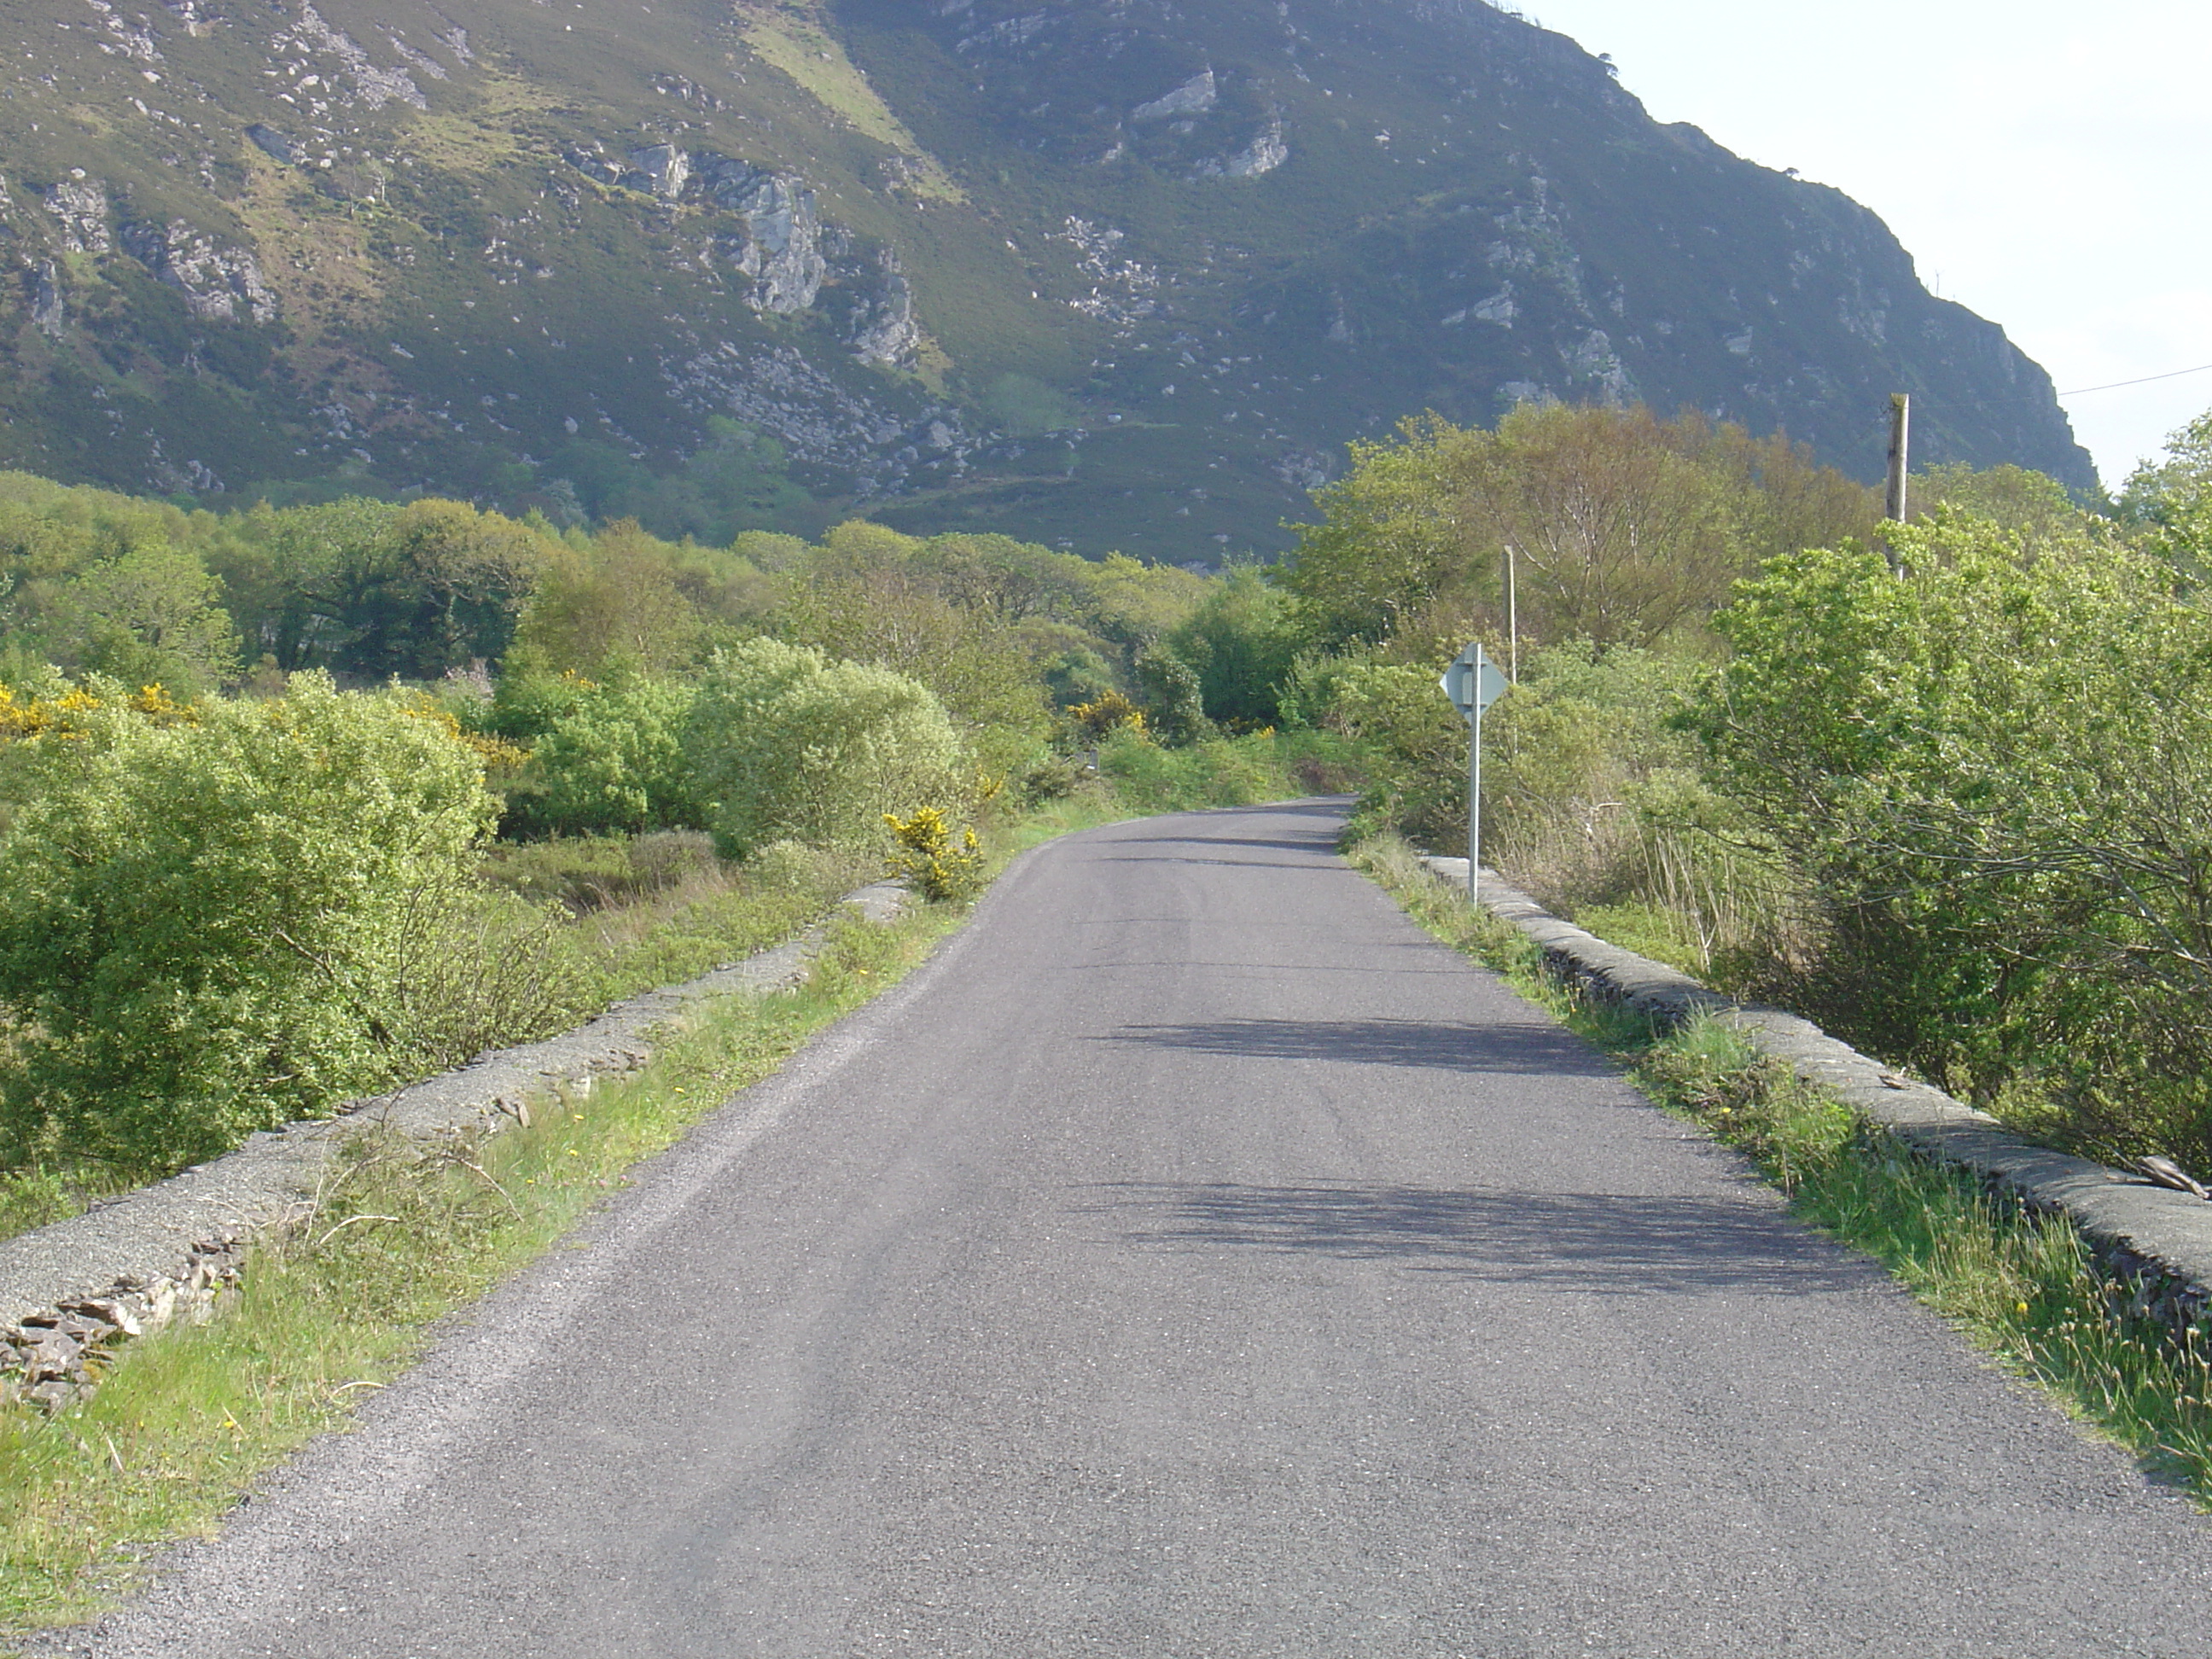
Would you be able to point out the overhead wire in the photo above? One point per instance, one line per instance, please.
(2115, 386)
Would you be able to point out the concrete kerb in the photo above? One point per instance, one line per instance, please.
(2154, 1240)
(169, 1249)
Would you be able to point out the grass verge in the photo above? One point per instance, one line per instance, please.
(2025, 1288)
(404, 1234)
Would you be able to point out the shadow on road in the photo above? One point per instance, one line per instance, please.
(1324, 842)
(1531, 1048)
(1607, 1241)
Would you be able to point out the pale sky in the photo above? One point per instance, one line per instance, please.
(2045, 163)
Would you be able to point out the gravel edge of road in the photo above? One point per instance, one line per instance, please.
(2158, 1239)
(195, 1225)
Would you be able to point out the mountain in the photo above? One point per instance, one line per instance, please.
(1112, 273)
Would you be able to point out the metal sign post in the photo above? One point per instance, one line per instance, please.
(1472, 683)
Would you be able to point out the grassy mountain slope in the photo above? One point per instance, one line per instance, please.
(1112, 274)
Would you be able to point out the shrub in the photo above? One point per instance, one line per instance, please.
(612, 763)
(1997, 775)
(1175, 706)
(789, 744)
(1215, 772)
(928, 857)
(202, 912)
(1109, 711)
(472, 971)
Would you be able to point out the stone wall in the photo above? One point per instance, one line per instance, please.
(72, 1292)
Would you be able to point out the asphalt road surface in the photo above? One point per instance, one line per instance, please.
(1194, 1260)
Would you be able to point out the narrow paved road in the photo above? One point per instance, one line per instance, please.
(1194, 1260)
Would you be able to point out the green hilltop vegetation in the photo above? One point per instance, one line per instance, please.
(1102, 279)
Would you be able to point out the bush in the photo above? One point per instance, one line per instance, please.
(1215, 772)
(1174, 704)
(486, 970)
(204, 912)
(1997, 775)
(612, 763)
(789, 744)
(930, 859)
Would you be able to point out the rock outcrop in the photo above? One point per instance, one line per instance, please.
(218, 282)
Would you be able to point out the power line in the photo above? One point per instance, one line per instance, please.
(2170, 375)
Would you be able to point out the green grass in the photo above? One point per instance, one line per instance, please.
(189, 1418)
(38, 1196)
(2024, 1288)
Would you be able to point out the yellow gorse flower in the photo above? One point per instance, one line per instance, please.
(1108, 712)
(492, 751)
(928, 855)
(64, 716)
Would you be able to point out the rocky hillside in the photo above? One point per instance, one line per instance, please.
(1114, 273)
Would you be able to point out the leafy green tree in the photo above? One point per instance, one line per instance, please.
(2030, 506)
(284, 575)
(146, 616)
(863, 601)
(614, 610)
(1395, 533)
(1607, 524)
(2170, 500)
(443, 586)
(1241, 642)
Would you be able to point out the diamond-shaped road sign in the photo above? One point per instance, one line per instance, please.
(1472, 683)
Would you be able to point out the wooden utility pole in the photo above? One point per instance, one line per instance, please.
(1893, 503)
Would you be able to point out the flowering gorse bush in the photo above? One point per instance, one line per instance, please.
(1108, 712)
(938, 865)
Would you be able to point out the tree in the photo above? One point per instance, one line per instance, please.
(146, 616)
(1395, 533)
(1239, 641)
(865, 602)
(2031, 506)
(443, 585)
(612, 610)
(1175, 706)
(1619, 537)
(1618, 528)
(2169, 501)
(283, 575)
